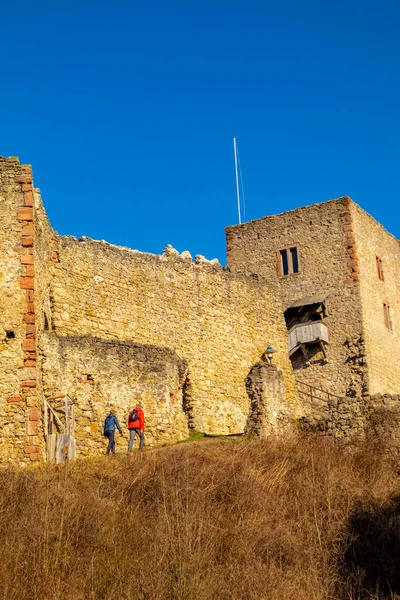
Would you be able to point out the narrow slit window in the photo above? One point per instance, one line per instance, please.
(295, 261)
(379, 267)
(387, 316)
(285, 262)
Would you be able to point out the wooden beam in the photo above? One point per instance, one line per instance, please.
(55, 417)
(305, 353)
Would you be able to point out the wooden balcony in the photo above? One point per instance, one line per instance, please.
(311, 332)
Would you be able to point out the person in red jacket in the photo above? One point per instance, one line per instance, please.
(136, 426)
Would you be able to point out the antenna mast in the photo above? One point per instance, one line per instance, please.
(237, 178)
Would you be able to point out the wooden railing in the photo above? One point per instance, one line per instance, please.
(315, 393)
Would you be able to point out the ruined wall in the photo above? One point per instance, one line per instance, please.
(269, 412)
(324, 236)
(382, 344)
(20, 432)
(339, 417)
(102, 374)
(383, 425)
(220, 323)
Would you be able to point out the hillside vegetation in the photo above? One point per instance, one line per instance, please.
(250, 520)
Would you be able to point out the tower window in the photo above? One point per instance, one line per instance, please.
(379, 266)
(288, 261)
(387, 316)
(285, 262)
(295, 262)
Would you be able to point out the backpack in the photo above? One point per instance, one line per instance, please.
(133, 416)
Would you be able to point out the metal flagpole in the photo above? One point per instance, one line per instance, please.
(237, 178)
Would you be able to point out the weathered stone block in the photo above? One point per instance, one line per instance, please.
(28, 198)
(31, 449)
(28, 230)
(29, 362)
(14, 399)
(27, 283)
(31, 383)
(25, 213)
(29, 344)
(34, 414)
(29, 318)
(24, 178)
(27, 259)
(32, 428)
(30, 330)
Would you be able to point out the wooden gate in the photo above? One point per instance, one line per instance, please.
(59, 427)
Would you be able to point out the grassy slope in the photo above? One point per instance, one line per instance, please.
(222, 519)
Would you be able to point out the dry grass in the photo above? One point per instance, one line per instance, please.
(299, 520)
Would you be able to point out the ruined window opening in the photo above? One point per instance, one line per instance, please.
(387, 316)
(289, 261)
(10, 335)
(379, 266)
(46, 323)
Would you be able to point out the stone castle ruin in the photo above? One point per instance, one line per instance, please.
(87, 325)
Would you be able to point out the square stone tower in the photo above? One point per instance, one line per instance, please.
(339, 276)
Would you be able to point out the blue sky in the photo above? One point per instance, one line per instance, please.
(127, 112)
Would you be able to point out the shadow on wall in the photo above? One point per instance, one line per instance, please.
(372, 556)
(187, 401)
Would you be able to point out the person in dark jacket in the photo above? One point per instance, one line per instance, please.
(110, 424)
(136, 426)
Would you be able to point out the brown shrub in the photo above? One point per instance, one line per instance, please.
(248, 520)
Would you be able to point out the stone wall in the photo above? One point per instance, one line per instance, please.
(382, 344)
(21, 435)
(67, 302)
(269, 412)
(219, 322)
(342, 418)
(383, 425)
(102, 374)
(327, 249)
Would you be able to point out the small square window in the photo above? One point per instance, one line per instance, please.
(288, 261)
(379, 267)
(387, 316)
